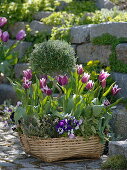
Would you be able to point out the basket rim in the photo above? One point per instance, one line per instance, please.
(62, 138)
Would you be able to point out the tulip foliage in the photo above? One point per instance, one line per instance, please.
(77, 101)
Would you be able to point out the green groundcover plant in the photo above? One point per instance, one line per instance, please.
(81, 108)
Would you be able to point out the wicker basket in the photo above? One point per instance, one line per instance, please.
(55, 149)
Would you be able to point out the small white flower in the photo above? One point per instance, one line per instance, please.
(77, 127)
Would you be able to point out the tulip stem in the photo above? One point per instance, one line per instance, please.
(59, 89)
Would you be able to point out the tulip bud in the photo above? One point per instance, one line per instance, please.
(89, 85)
(62, 80)
(5, 36)
(42, 82)
(26, 83)
(27, 74)
(115, 90)
(103, 83)
(85, 78)
(103, 75)
(3, 21)
(80, 69)
(20, 35)
(47, 90)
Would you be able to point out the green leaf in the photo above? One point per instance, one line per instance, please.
(93, 129)
(20, 113)
(109, 89)
(97, 109)
(115, 103)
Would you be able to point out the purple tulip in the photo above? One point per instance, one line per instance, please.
(115, 90)
(89, 85)
(27, 74)
(5, 36)
(103, 83)
(0, 33)
(85, 78)
(47, 90)
(80, 69)
(103, 75)
(20, 35)
(62, 80)
(42, 82)
(3, 21)
(26, 83)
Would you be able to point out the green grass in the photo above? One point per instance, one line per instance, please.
(117, 162)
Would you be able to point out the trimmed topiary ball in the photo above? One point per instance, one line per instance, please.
(53, 56)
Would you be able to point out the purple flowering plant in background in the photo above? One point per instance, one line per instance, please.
(8, 57)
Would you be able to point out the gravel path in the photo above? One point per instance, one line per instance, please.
(12, 157)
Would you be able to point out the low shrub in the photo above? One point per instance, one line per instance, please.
(61, 18)
(105, 15)
(53, 56)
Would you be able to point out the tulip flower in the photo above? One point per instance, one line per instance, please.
(103, 83)
(103, 75)
(80, 69)
(85, 78)
(89, 85)
(115, 90)
(26, 83)
(27, 74)
(42, 82)
(3, 21)
(47, 90)
(5, 36)
(62, 80)
(20, 35)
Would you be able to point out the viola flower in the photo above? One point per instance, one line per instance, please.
(80, 69)
(27, 74)
(103, 83)
(106, 103)
(115, 90)
(26, 83)
(5, 36)
(85, 78)
(103, 75)
(89, 85)
(3, 21)
(62, 80)
(18, 103)
(20, 35)
(47, 90)
(60, 130)
(71, 134)
(42, 82)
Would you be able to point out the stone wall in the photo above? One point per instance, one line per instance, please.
(82, 36)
